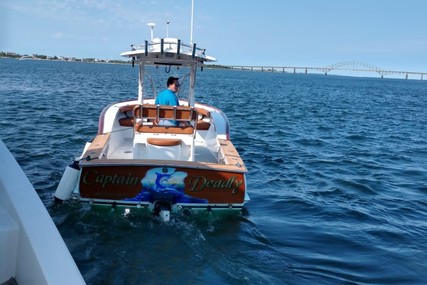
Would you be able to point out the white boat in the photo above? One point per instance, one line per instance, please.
(134, 161)
(31, 249)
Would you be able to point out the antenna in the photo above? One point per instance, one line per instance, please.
(151, 25)
(167, 29)
(192, 16)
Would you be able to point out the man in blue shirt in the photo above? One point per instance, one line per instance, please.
(168, 97)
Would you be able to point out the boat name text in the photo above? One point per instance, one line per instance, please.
(198, 183)
(92, 177)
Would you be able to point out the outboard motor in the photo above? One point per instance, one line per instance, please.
(163, 210)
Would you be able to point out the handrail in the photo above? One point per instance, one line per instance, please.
(159, 45)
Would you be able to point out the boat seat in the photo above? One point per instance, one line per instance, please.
(162, 149)
(164, 142)
(203, 112)
(146, 117)
(126, 122)
(203, 125)
(153, 141)
(140, 128)
(127, 108)
(127, 111)
(129, 122)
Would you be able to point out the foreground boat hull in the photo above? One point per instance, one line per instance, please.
(32, 250)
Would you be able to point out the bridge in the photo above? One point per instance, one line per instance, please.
(352, 66)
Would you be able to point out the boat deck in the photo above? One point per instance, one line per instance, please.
(125, 151)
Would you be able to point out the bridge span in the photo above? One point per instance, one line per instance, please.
(352, 66)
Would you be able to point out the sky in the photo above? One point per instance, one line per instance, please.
(389, 34)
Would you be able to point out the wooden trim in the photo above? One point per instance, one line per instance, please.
(157, 162)
(160, 112)
(150, 111)
(201, 111)
(231, 156)
(97, 146)
(129, 122)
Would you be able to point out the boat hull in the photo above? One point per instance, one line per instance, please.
(136, 159)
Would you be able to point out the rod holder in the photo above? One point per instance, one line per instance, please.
(162, 43)
(194, 51)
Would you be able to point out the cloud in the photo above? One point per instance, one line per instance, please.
(57, 35)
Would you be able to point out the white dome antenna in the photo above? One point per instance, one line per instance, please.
(152, 25)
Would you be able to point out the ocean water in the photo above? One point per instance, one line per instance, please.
(337, 177)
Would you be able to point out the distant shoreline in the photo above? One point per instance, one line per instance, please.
(87, 60)
(56, 58)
